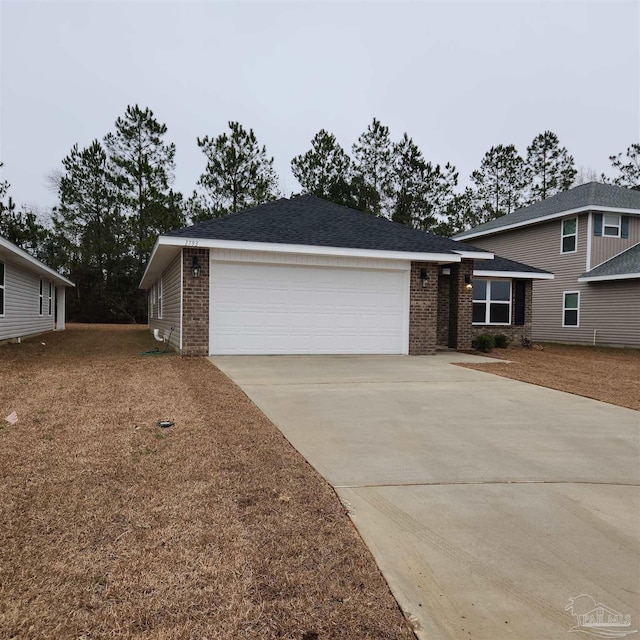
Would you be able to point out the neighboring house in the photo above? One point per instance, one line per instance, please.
(32, 296)
(589, 238)
(308, 276)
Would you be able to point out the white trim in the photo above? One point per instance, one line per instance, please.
(571, 326)
(523, 275)
(41, 267)
(476, 255)
(41, 297)
(619, 276)
(160, 298)
(568, 235)
(551, 216)
(3, 288)
(208, 243)
(589, 239)
(50, 299)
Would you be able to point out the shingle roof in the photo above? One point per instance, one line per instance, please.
(504, 264)
(307, 220)
(591, 194)
(624, 263)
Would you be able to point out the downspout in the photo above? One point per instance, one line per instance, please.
(595, 333)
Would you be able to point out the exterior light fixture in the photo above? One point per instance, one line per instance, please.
(195, 267)
(424, 277)
(467, 282)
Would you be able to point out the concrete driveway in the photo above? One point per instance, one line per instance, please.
(487, 503)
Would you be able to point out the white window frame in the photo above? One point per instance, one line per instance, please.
(564, 235)
(617, 226)
(3, 288)
(41, 298)
(488, 302)
(565, 309)
(50, 298)
(160, 299)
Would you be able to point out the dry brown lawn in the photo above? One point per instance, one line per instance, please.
(607, 374)
(111, 527)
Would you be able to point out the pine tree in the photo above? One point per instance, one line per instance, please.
(239, 174)
(372, 180)
(628, 168)
(143, 165)
(325, 170)
(549, 167)
(499, 183)
(91, 233)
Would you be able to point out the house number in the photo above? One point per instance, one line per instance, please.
(191, 243)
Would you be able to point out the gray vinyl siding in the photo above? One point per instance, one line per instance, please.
(603, 248)
(613, 308)
(171, 291)
(22, 304)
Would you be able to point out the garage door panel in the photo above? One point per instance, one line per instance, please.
(276, 309)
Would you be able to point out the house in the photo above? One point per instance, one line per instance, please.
(32, 296)
(304, 275)
(588, 237)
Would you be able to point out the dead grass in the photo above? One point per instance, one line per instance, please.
(606, 374)
(214, 528)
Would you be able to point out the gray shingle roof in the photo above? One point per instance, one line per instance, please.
(625, 263)
(307, 220)
(504, 264)
(592, 194)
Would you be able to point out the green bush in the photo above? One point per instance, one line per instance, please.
(502, 341)
(484, 342)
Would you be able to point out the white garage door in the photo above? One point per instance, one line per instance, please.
(271, 309)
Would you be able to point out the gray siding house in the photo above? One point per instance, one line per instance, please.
(589, 237)
(304, 275)
(32, 296)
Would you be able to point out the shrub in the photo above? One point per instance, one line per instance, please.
(484, 343)
(502, 341)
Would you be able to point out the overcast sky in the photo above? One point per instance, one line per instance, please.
(458, 77)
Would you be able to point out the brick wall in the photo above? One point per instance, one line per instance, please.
(423, 309)
(443, 310)
(195, 305)
(460, 306)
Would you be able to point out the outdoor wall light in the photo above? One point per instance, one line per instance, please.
(195, 267)
(467, 282)
(424, 277)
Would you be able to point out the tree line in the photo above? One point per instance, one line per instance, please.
(115, 196)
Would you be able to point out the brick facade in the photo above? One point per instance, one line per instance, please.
(443, 310)
(460, 306)
(195, 304)
(423, 309)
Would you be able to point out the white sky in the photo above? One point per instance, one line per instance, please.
(459, 77)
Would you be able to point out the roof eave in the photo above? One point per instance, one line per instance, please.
(616, 276)
(551, 216)
(520, 275)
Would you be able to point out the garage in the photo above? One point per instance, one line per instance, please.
(301, 309)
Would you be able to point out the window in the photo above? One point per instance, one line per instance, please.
(1, 288)
(50, 298)
(569, 235)
(160, 299)
(571, 309)
(491, 301)
(611, 226)
(41, 290)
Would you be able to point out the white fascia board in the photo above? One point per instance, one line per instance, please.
(476, 255)
(151, 257)
(276, 247)
(521, 275)
(23, 257)
(619, 276)
(551, 216)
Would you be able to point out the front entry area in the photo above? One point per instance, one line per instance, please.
(264, 309)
